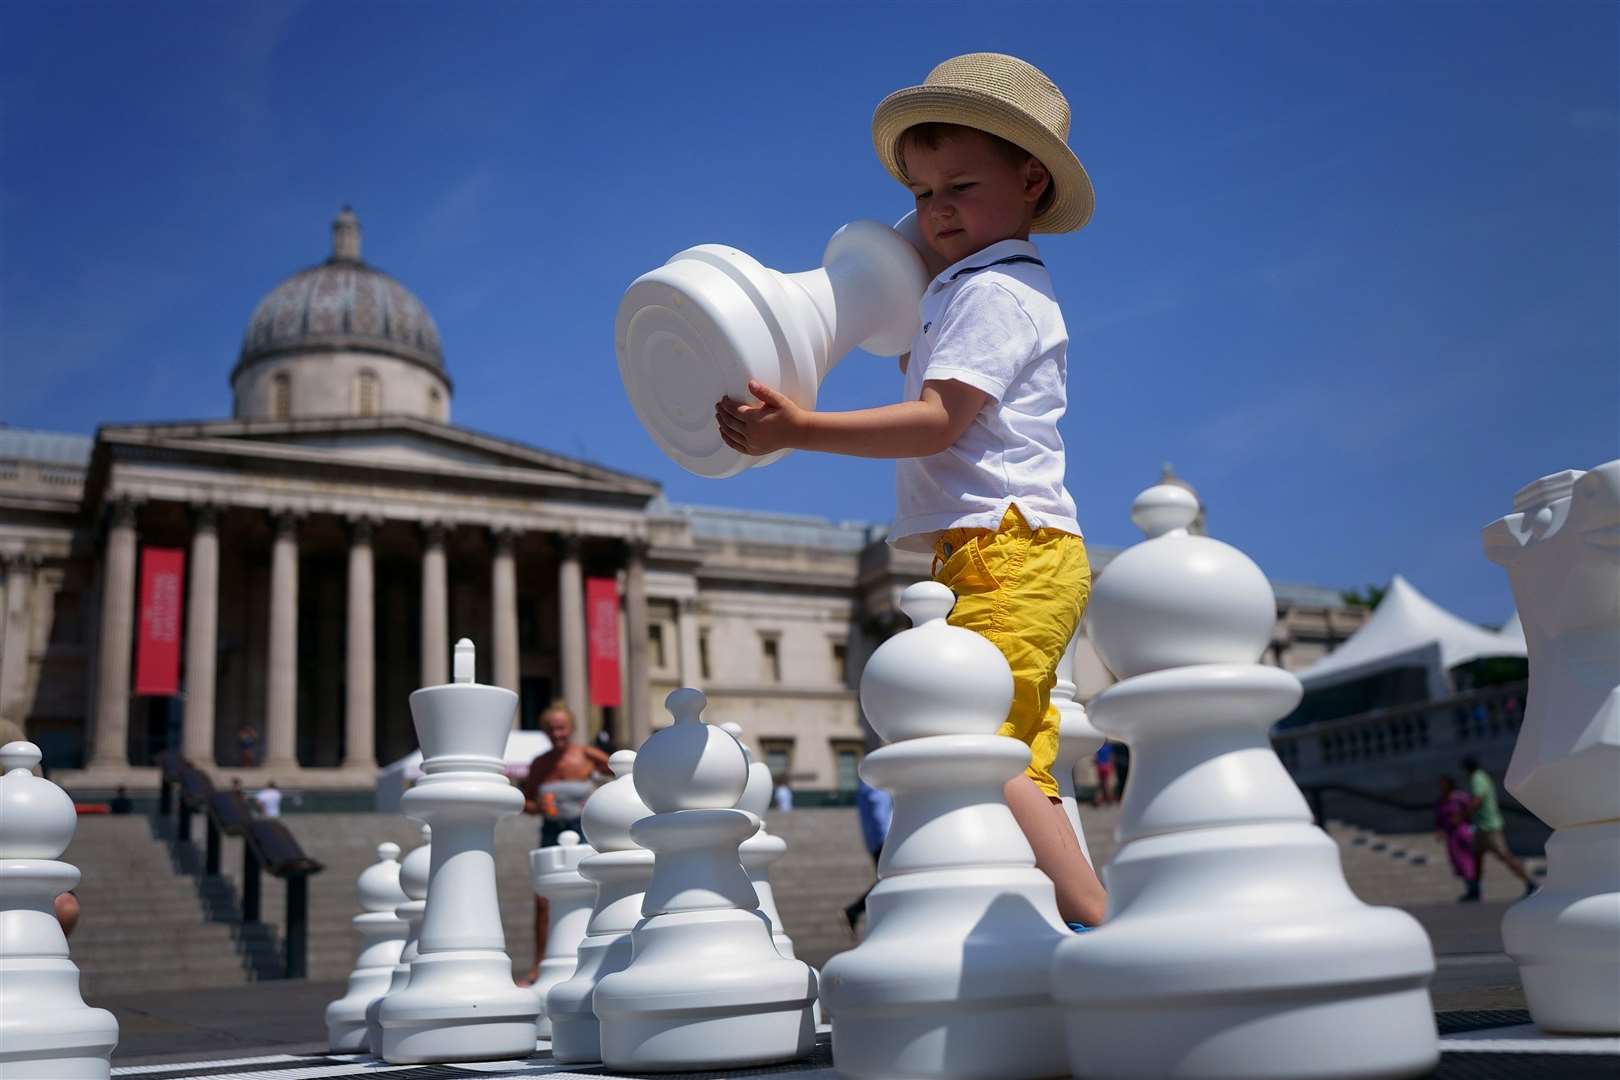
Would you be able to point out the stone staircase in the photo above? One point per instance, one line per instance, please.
(145, 926)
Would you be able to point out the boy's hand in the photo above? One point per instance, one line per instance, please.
(774, 424)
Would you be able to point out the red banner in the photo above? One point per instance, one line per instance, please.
(602, 638)
(157, 649)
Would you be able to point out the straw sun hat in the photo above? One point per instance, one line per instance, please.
(1004, 96)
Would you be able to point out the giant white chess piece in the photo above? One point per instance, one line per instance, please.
(762, 849)
(47, 1032)
(382, 939)
(1233, 946)
(554, 872)
(951, 979)
(711, 318)
(461, 1003)
(1561, 548)
(620, 871)
(705, 987)
(1078, 740)
(413, 882)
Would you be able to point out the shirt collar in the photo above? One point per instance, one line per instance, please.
(999, 250)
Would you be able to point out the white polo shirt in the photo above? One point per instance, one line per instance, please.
(992, 322)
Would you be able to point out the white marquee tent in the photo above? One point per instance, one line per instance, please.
(1409, 630)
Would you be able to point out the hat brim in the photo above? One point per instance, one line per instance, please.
(1073, 198)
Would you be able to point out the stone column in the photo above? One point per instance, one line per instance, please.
(359, 694)
(435, 609)
(638, 722)
(16, 632)
(202, 637)
(689, 661)
(281, 695)
(571, 616)
(503, 611)
(111, 747)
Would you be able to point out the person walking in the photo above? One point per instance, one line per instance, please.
(1489, 836)
(1451, 820)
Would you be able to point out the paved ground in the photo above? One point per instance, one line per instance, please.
(286, 1016)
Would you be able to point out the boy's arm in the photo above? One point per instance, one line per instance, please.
(907, 429)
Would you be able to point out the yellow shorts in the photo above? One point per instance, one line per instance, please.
(1025, 590)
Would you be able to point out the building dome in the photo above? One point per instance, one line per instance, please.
(346, 310)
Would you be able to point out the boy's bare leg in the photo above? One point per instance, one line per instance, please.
(542, 930)
(1080, 895)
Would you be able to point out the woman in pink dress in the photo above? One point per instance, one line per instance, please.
(1451, 818)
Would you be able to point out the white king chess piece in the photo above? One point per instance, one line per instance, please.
(47, 1032)
(1561, 549)
(706, 987)
(413, 882)
(620, 871)
(952, 977)
(711, 318)
(554, 872)
(382, 939)
(1233, 946)
(461, 1003)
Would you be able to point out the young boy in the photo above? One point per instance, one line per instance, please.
(982, 145)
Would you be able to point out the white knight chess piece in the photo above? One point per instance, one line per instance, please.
(1233, 946)
(1561, 549)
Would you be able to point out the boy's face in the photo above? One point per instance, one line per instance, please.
(969, 194)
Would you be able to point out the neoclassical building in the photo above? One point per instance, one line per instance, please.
(340, 533)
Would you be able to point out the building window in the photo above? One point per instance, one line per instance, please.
(848, 756)
(280, 396)
(772, 645)
(367, 394)
(703, 654)
(778, 755)
(655, 645)
(840, 660)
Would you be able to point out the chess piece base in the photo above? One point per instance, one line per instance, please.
(46, 1031)
(1566, 936)
(456, 1008)
(346, 1017)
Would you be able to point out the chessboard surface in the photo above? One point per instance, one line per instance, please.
(1498, 1044)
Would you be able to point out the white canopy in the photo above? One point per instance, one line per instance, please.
(1512, 632)
(522, 747)
(1409, 630)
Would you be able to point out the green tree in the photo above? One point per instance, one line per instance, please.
(1369, 598)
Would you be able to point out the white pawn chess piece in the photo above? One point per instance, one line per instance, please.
(554, 872)
(1078, 740)
(1560, 551)
(382, 939)
(712, 318)
(705, 987)
(951, 978)
(762, 849)
(1233, 946)
(461, 1003)
(413, 882)
(620, 871)
(47, 1032)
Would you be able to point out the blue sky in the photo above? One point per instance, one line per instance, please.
(1353, 267)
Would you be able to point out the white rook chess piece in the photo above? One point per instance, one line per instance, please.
(461, 1003)
(382, 939)
(413, 882)
(555, 874)
(1077, 741)
(1561, 549)
(762, 849)
(47, 1032)
(952, 977)
(620, 872)
(705, 988)
(712, 318)
(1233, 946)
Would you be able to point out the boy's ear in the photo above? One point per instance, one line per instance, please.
(1037, 179)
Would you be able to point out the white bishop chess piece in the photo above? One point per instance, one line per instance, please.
(47, 1032)
(712, 318)
(1561, 549)
(382, 939)
(1233, 946)
(952, 977)
(762, 849)
(706, 987)
(619, 871)
(413, 882)
(554, 872)
(461, 1003)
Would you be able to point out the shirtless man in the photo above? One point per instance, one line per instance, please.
(558, 783)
